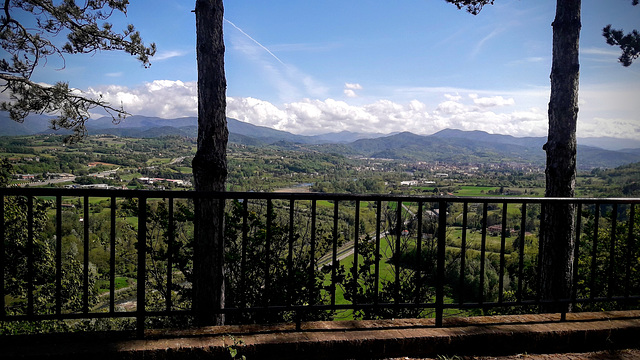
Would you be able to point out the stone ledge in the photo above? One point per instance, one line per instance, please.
(490, 335)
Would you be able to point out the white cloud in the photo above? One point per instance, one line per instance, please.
(416, 105)
(161, 98)
(164, 55)
(491, 101)
(468, 111)
(607, 55)
(450, 107)
(600, 51)
(618, 128)
(350, 93)
(455, 97)
(527, 61)
(384, 116)
(350, 89)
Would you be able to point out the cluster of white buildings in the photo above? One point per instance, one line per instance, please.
(417, 182)
(151, 181)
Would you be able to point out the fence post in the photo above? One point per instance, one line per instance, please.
(442, 237)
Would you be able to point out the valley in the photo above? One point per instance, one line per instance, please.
(110, 161)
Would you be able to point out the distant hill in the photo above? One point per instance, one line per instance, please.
(32, 125)
(344, 137)
(493, 138)
(443, 147)
(455, 146)
(145, 126)
(449, 145)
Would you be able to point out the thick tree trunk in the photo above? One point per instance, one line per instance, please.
(210, 164)
(558, 224)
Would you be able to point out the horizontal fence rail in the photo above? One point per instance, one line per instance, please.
(70, 254)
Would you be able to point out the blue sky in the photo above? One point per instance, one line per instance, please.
(314, 67)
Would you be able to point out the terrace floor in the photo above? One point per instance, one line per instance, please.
(403, 338)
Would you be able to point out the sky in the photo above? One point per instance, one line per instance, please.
(312, 67)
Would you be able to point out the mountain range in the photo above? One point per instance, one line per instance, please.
(448, 145)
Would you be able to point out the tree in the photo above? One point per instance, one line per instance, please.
(629, 43)
(210, 164)
(31, 44)
(27, 32)
(558, 225)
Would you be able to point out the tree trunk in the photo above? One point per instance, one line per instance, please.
(558, 224)
(210, 165)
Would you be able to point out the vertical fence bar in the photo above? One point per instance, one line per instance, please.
(334, 253)
(463, 251)
(267, 262)
(2, 255)
(502, 250)
(243, 251)
(58, 255)
(539, 265)
(594, 252)
(312, 257)
(523, 230)
(142, 266)
(612, 251)
(170, 251)
(418, 276)
(356, 250)
(291, 284)
(576, 254)
(377, 253)
(631, 246)
(112, 256)
(442, 239)
(219, 256)
(30, 256)
(483, 250)
(85, 258)
(396, 296)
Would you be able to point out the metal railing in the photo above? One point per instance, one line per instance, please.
(297, 256)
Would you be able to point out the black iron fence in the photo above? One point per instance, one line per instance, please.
(84, 254)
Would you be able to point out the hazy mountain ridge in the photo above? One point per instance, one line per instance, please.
(477, 146)
(449, 145)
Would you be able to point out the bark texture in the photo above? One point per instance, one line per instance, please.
(558, 224)
(210, 164)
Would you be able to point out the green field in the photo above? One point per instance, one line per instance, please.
(103, 285)
(475, 190)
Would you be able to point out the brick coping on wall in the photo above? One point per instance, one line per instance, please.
(489, 335)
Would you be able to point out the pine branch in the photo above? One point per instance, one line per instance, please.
(72, 108)
(28, 46)
(629, 43)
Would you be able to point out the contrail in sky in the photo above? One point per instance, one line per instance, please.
(255, 41)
